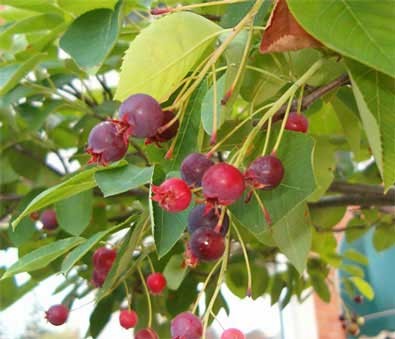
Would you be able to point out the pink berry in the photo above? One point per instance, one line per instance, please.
(297, 122)
(193, 168)
(199, 217)
(206, 244)
(265, 172)
(143, 114)
(223, 184)
(57, 314)
(48, 219)
(106, 143)
(98, 277)
(156, 282)
(146, 333)
(128, 319)
(103, 258)
(173, 195)
(186, 326)
(169, 133)
(232, 333)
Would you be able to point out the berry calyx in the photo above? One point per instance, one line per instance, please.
(206, 244)
(223, 184)
(156, 282)
(146, 333)
(199, 217)
(103, 258)
(48, 219)
(173, 195)
(169, 133)
(128, 319)
(193, 168)
(142, 114)
(297, 122)
(106, 143)
(186, 326)
(265, 172)
(232, 333)
(57, 314)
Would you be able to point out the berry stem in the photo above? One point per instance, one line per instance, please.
(128, 295)
(300, 100)
(283, 123)
(151, 265)
(245, 254)
(267, 138)
(215, 111)
(220, 220)
(148, 297)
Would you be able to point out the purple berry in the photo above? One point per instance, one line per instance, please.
(265, 172)
(199, 217)
(48, 219)
(193, 168)
(206, 244)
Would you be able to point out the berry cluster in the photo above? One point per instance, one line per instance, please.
(103, 258)
(140, 116)
(351, 324)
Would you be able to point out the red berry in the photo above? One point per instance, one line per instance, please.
(48, 219)
(103, 258)
(265, 172)
(98, 277)
(169, 133)
(106, 143)
(128, 319)
(193, 168)
(223, 184)
(206, 244)
(232, 333)
(199, 217)
(57, 314)
(297, 122)
(146, 333)
(156, 282)
(173, 195)
(143, 114)
(358, 299)
(186, 326)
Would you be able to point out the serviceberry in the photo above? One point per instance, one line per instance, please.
(98, 277)
(48, 219)
(106, 143)
(232, 333)
(358, 299)
(186, 326)
(142, 114)
(146, 333)
(200, 217)
(297, 122)
(156, 282)
(169, 133)
(193, 168)
(206, 244)
(265, 172)
(57, 314)
(173, 195)
(223, 184)
(128, 319)
(103, 258)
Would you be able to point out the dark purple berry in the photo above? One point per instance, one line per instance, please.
(193, 168)
(169, 133)
(265, 172)
(206, 244)
(199, 217)
(48, 219)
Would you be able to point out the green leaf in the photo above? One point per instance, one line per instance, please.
(320, 287)
(91, 36)
(384, 237)
(15, 290)
(277, 285)
(363, 287)
(293, 236)
(163, 53)
(366, 23)
(119, 180)
(78, 7)
(12, 74)
(353, 270)
(100, 316)
(375, 96)
(175, 271)
(45, 6)
(356, 256)
(74, 213)
(42, 256)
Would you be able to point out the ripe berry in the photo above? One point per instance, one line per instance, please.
(103, 258)
(98, 277)
(265, 172)
(232, 333)
(168, 133)
(193, 168)
(297, 122)
(206, 244)
(200, 218)
(186, 326)
(146, 333)
(358, 299)
(173, 195)
(57, 314)
(156, 282)
(106, 143)
(223, 184)
(128, 319)
(48, 219)
(143, 114)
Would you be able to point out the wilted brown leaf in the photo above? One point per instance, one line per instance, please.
(283, 32)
